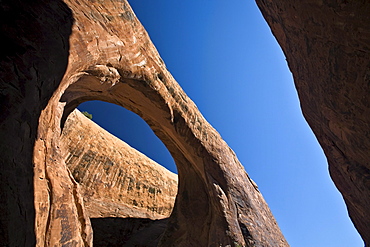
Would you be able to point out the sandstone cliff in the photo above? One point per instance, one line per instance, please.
(327, 46)
(116, 180)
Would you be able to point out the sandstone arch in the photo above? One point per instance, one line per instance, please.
(40, 200)
(112, 59)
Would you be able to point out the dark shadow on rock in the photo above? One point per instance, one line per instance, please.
(33, 60)
(133, 232)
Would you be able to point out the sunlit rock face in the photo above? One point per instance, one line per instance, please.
(327, 46)
(65, 53)
(116, 180)
(127, 196)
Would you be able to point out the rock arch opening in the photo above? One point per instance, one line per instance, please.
(136, 95)
(123, 189)
(207, 168)
(130, 128)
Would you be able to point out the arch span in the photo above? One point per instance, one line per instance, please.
(112, 59)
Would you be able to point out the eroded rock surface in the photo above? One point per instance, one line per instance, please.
(327, 46)
(116, 180)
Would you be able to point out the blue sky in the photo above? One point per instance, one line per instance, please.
(224, 56)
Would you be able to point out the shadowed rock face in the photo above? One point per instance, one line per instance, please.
(117, 232)
(116, 180)
(327, 46)
(109, 57)
(33, 60)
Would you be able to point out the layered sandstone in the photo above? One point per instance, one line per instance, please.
(60, 54)
(116, 180)
(327, 46)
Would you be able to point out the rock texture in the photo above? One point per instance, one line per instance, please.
(327, 46)
(116, 180)
(60, 54)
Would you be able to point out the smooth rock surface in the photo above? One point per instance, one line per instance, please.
(327, 46)
(116, 180)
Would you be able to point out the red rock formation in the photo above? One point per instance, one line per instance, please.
(116, 180)
(327, 46)
(111, 58)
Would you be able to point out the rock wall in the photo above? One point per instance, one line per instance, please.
(59, 54)
(33, 60)
(327, 46)
(116, 180)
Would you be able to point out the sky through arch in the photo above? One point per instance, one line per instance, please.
(130, 128)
